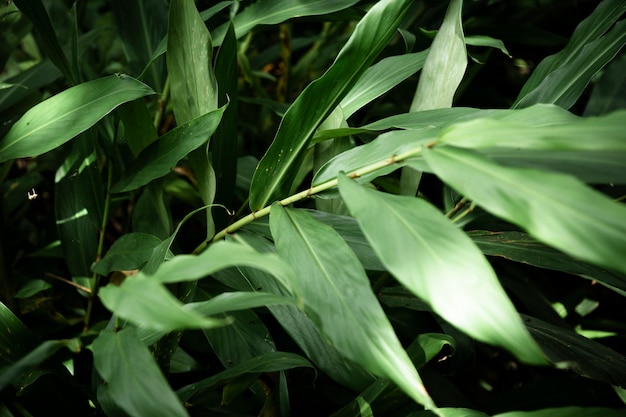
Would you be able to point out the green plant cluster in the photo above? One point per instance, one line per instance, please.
(402, 208)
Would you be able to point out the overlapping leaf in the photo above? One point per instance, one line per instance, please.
(562, 77)
(162, 155)
(332, 278)
(554, 208)
(58, 119)
(133, 379)
(415, 242)
(277, 169)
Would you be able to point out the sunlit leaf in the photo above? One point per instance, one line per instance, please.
(133, 379)
(416, 243)
(566, 412)
(380, 78)
(58, 119)
(146, 302)
(276, 171)
(445, 65)
(334, 277)
(554, 208)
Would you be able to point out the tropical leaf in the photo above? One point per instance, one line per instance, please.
(445, 64)
(554, 208)
(133, 379)
(267, 12)
(276, 171)
(146, 302)
(128, 252)
(162, 155)
(566, 412)
(58, 119)
(335, 277)
(380, 78)
(562, 77)
(268, 362)
(414, 241)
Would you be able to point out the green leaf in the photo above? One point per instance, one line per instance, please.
(33, 359)
(380, 78)
(562, 77)
(421, 351)
(32, 287)
(133, 379)
(38, 15)
(79, 206)
(27, 82)
(268, 362)
(146, 302)
(128, 252)
(161, 156)
(436, 261)
(141, 25)
(189, 52)
(488, 41)
(520, 247)
(58, 119)
(554, 208)
(567, 349)
(294, 321)
(566, 412)
(16, 338)
(387, 146)
(601, 133)
(445, 65)
(271, 12)
(334, 280)
(221, 255)
(224, 146)
(232, 301)
(139, 130)
(609, 93)
(277, 169)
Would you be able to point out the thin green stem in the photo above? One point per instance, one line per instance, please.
(105, 218)
(158, 116)
(308, 193)
(457, 207)
(464, 213)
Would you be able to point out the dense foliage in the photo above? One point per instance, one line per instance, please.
(325, 207)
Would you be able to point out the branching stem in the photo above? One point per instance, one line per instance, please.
(308, 193)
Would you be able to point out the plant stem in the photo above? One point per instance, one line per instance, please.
(161, 104)
(105, 217)
(308, 193)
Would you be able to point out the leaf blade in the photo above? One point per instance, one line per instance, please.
(415, 241)
(554, 208)
(361, 334)
(277, 168)
(67, 114)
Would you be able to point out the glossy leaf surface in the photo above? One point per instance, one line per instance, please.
(563, 219)
(334, 277)
(414, 240)
(276, 171)
(58, 119)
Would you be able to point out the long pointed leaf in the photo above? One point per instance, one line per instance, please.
(277, 169)
(554, 208)
(332, 281)
(440, 264)
(58, 119)
(133, 379)
(160, 157)
(559, 72)
(445, 64)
